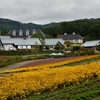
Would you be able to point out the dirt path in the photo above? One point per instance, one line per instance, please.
(35, 63)
(17, 65)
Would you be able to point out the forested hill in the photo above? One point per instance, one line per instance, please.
(6, 25)
(88, 28)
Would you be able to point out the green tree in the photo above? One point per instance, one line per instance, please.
(36, 48)
(75, 48)
(47, 47)
(48, 36)
(67, 43)
(36, 35)
(57, 46)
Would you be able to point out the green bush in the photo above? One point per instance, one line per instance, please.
(98, 47)
(5, 61)
(90, 52)
(75, 48)
(76, 54)
(18, 52)
(84, 52)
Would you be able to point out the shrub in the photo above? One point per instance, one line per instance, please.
(98, 47)
(84, 52)
(90, 52)
(18, 52)
(5, 61)
(57, 47)
(47, 47)
(75, 48)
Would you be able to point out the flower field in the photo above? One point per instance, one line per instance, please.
(25, 82)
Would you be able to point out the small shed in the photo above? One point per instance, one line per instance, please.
(91, 44)
(52, 42)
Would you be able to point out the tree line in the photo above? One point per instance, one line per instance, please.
(7, 25)
(87, 28)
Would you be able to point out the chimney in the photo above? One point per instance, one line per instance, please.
(65, 33)
(73, 33)
(24, 37)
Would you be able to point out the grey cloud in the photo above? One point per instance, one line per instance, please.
(46, 11)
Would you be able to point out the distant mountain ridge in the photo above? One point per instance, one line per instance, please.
(7, 24)
(88, 28)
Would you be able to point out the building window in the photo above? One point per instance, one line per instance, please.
(14, 33)
(27, 32)
(80, 41)
(73, 40)
(24, 47)
(34, 31)
(20, 33)
(28, 47)
(19, 47)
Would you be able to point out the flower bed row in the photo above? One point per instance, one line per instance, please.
(22, 85)
(51, 65)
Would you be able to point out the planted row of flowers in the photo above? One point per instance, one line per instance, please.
(51, 65)
(22, 85)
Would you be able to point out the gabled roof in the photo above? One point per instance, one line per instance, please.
(42, 33)
(53, 41)
(91, 43)
(21, 41)
(24, 32)
(71, 36)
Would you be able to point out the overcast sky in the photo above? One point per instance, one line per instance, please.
(47, 11)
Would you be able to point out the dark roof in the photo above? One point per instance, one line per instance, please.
(24, 32)
(71, 36)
